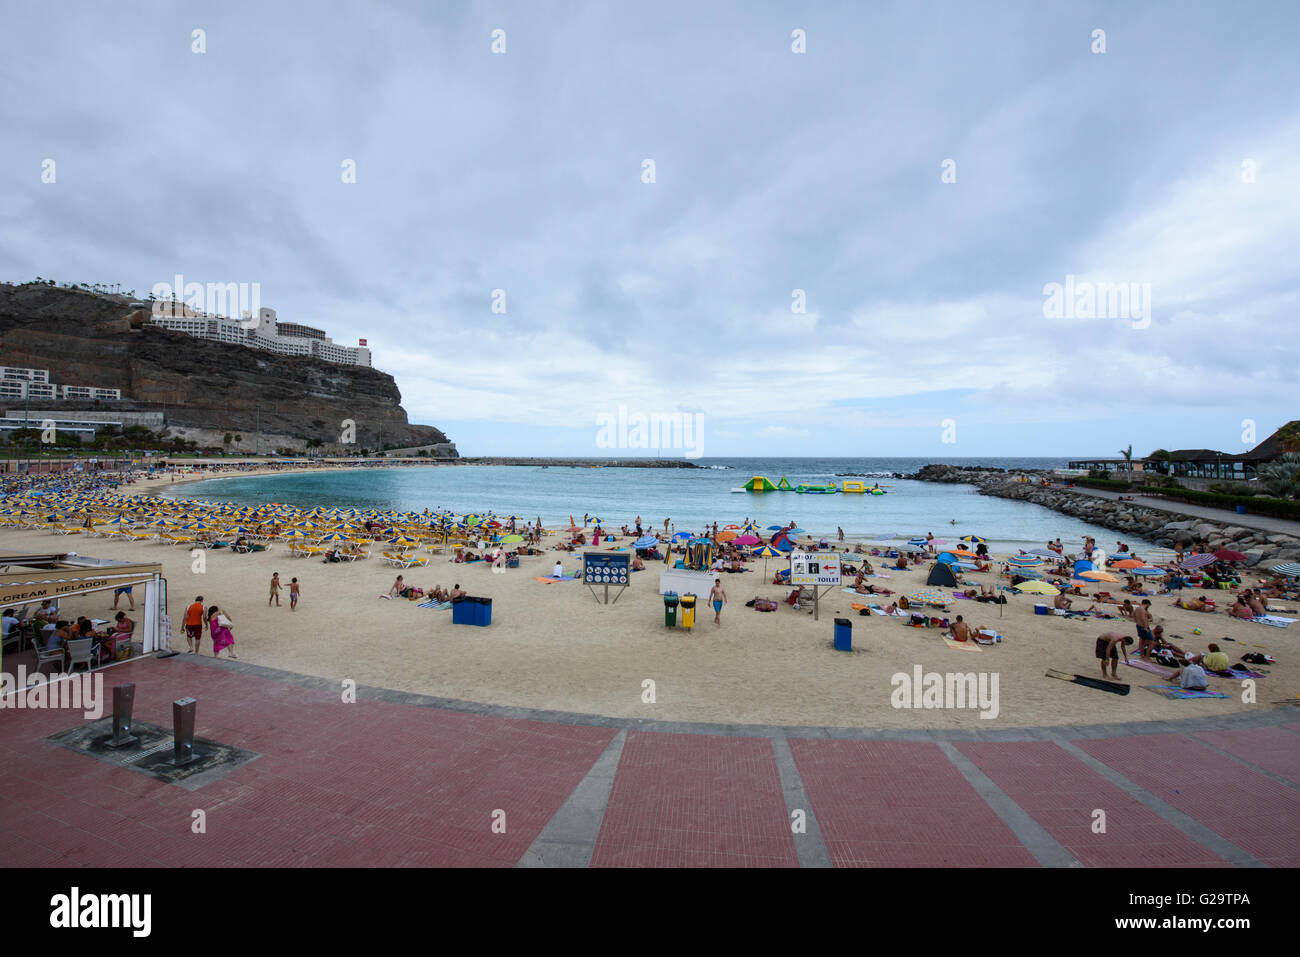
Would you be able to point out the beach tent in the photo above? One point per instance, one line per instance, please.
(941, 573)
(1083, 565)
(948, 558)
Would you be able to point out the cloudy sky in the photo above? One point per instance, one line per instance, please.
(1171, 159)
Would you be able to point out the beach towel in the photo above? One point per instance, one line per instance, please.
(1273, 620)
(552, 581)
(961, 645)
(434, 605)
(1148, 666)
(1175, 692)
(1237, 672)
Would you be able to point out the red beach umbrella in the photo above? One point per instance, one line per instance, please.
(1228, 555)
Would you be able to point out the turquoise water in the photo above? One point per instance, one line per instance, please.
(689, 498)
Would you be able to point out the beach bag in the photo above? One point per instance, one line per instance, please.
(124, 653)
(223, 621)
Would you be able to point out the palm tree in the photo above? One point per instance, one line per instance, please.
(1282, 476)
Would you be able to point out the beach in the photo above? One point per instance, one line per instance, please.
(554, 647)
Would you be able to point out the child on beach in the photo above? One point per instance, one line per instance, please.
(275, 591)
(294, 589)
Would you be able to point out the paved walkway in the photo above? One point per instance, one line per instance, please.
(402, 780)
(1263, 523)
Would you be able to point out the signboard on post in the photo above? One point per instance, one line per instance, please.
(816, 570)
(607, 568)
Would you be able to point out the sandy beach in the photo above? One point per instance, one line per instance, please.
(553, 646)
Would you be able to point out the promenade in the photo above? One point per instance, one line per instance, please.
(401, 780)
(1263, 523)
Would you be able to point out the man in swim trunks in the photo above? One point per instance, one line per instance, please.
(1109, 645)
(1142, 618)
(719, 598)
(117, 596)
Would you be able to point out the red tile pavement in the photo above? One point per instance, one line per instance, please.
(1272, 749)
(901, 804)
(1252, 811)
(367, 784)
(690, 800)
(1061, 793)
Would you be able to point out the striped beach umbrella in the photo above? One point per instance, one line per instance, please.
(1025, 561)
(974, 539)
(1198, 561)
(1290, 569)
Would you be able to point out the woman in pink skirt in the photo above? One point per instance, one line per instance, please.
(222, 637)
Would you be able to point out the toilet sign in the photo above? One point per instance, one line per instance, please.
(814, 568)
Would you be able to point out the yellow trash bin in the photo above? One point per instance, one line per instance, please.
(688, 611)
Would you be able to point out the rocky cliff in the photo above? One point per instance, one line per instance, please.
(1165, 527)
(204, 388)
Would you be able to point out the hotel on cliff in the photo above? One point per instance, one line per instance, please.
(261, 331)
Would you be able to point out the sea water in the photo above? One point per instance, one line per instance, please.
(689, 498)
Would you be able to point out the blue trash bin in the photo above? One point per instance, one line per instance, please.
(843, 634)
(483, 612)
(462, 611)
(1241, 510)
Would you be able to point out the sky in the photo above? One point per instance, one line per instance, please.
(842, 251)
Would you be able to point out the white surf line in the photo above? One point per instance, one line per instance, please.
(569, 838)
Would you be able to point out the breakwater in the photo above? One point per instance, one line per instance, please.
(1165, 527)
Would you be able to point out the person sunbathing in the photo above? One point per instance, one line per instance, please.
(400, 589)
(1240, 609)
(456, 592)
(959, 630)
(1061, 602)
(1126, 609)
(438, 594)
(637, 564)
(1257, 604)
(1194, 604)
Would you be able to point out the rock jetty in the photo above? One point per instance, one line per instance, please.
(1164, 527)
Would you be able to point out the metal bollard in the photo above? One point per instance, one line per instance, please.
(183, 729)
(123, 708)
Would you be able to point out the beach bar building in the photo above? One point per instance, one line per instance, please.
(28, 580)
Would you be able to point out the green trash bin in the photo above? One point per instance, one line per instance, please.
(670, 609)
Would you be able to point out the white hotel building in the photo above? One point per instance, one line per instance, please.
(18, 383)
(261, 331)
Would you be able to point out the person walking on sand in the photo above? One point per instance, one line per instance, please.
(219, 626)
(194, 625)
(719, 598)
(275, 591)
(294, 592)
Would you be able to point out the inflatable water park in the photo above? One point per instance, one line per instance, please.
(760, 483)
